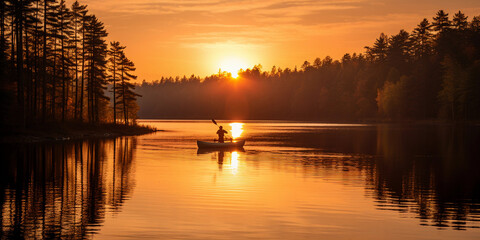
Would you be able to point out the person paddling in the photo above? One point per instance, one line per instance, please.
(221, 134)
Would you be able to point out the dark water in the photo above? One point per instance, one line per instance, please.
(63, 190)
(293, 181)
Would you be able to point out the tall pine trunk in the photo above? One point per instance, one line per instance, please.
(82, 88)
(20, 77)
(76, 70)
(12, 51)
(54, 78)
(125, 116)
(44, 60)
(35, 66)
(64, 87)
(114, 90)
(28, 71)
(91, 77)
(2, 38)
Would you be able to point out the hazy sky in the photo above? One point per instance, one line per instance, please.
(169, 38)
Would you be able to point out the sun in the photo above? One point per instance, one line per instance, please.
(233, 65)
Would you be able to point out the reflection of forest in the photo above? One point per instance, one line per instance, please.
(428, 171)
(62, 190)
(432, 172)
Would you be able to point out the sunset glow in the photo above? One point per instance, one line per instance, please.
(172, 38)
(240, 119)
(233, 65)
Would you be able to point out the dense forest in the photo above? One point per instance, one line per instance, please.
(55, 66)
(429, 73)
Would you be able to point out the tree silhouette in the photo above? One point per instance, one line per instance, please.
(424, 74)
(65, 34)
(422, 39)
(50, 56)
(441, 21)
(54, 66)
(78, 13)
(85, 21)
(398, 52)
(96, 69)
(460, 20)
(475, 24)
(116, 56)
(126, 97)
(379, 50)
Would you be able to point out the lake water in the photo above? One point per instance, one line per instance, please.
(292, 181)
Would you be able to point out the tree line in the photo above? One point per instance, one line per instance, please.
(431, 72)
(55, 66)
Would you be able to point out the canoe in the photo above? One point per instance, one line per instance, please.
(217, 145)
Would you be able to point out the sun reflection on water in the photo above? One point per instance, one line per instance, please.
(237, 129)
(234, 163)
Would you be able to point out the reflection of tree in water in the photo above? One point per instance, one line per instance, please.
(62, 190)
(431, 172)
(122, 181)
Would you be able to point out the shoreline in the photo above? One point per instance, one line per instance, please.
(52, 132)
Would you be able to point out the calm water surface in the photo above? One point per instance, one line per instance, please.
(293, 181)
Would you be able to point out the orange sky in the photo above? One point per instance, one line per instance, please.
(170, 38)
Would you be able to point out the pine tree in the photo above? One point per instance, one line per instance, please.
(20, 8)
(398, 52)
(115, 59)
(52, 43)
(84, 28)
(379, 50)
(96, 57)
(441, 21)
(31, 40)
(475, 23)
(126, 97)
(78, 11)
(7, 97)
(3, 40)
(36, 33)
(460, 20)
(3, 43)
(46, 22)
(64, 35)
(421, 38)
